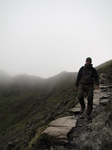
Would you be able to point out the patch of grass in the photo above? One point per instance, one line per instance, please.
(34, 140)
(44, 142)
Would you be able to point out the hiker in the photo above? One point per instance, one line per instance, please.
(86, 77)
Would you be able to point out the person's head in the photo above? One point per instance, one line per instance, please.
(88, 61)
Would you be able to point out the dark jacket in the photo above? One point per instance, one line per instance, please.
(87, 75)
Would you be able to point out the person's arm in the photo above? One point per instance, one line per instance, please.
(96, 78)
(78, 78)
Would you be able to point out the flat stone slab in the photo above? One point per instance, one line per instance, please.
(68, 121)
(57, 132)
(94, 106)
(99, 94)
(85, 100)
(104, 97)
(60, 127)
(96, 102)
(104, 87)
(97, 91)
(75, 110)
(78, 105)
(104, 101)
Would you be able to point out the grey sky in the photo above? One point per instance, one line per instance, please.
(45, 37)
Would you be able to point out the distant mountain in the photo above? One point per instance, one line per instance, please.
(61, 79)
(24, 81)
(5, 78)
(27, 80)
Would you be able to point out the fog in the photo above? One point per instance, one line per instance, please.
(46, 37)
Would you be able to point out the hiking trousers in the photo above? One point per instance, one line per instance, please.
(88, 90)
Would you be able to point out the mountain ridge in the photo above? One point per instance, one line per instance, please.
(4, 75)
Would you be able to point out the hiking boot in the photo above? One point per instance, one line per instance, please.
(82, 110)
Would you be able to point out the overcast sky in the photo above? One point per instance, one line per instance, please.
(46, 37)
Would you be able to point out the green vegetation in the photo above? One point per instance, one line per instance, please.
(106, 70)
(105, 65)
(26, 110)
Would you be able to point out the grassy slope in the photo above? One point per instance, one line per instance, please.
(24, 111)
(105, 65)
(106, 69)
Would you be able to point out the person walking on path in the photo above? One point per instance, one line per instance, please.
(86, 78)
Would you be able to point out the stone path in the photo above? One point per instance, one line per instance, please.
(61, 127)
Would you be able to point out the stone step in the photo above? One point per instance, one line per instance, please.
(104, 100)
(60, 127)
(105, 87)
(97, 91)
(78, 105)
(68, 121)
(75, 110)
(99, 95)
(96, 102)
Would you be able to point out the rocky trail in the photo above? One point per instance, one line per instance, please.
(76, 132)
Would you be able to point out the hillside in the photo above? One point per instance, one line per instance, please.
(105, 71)
(29, 103)
(105, 65)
